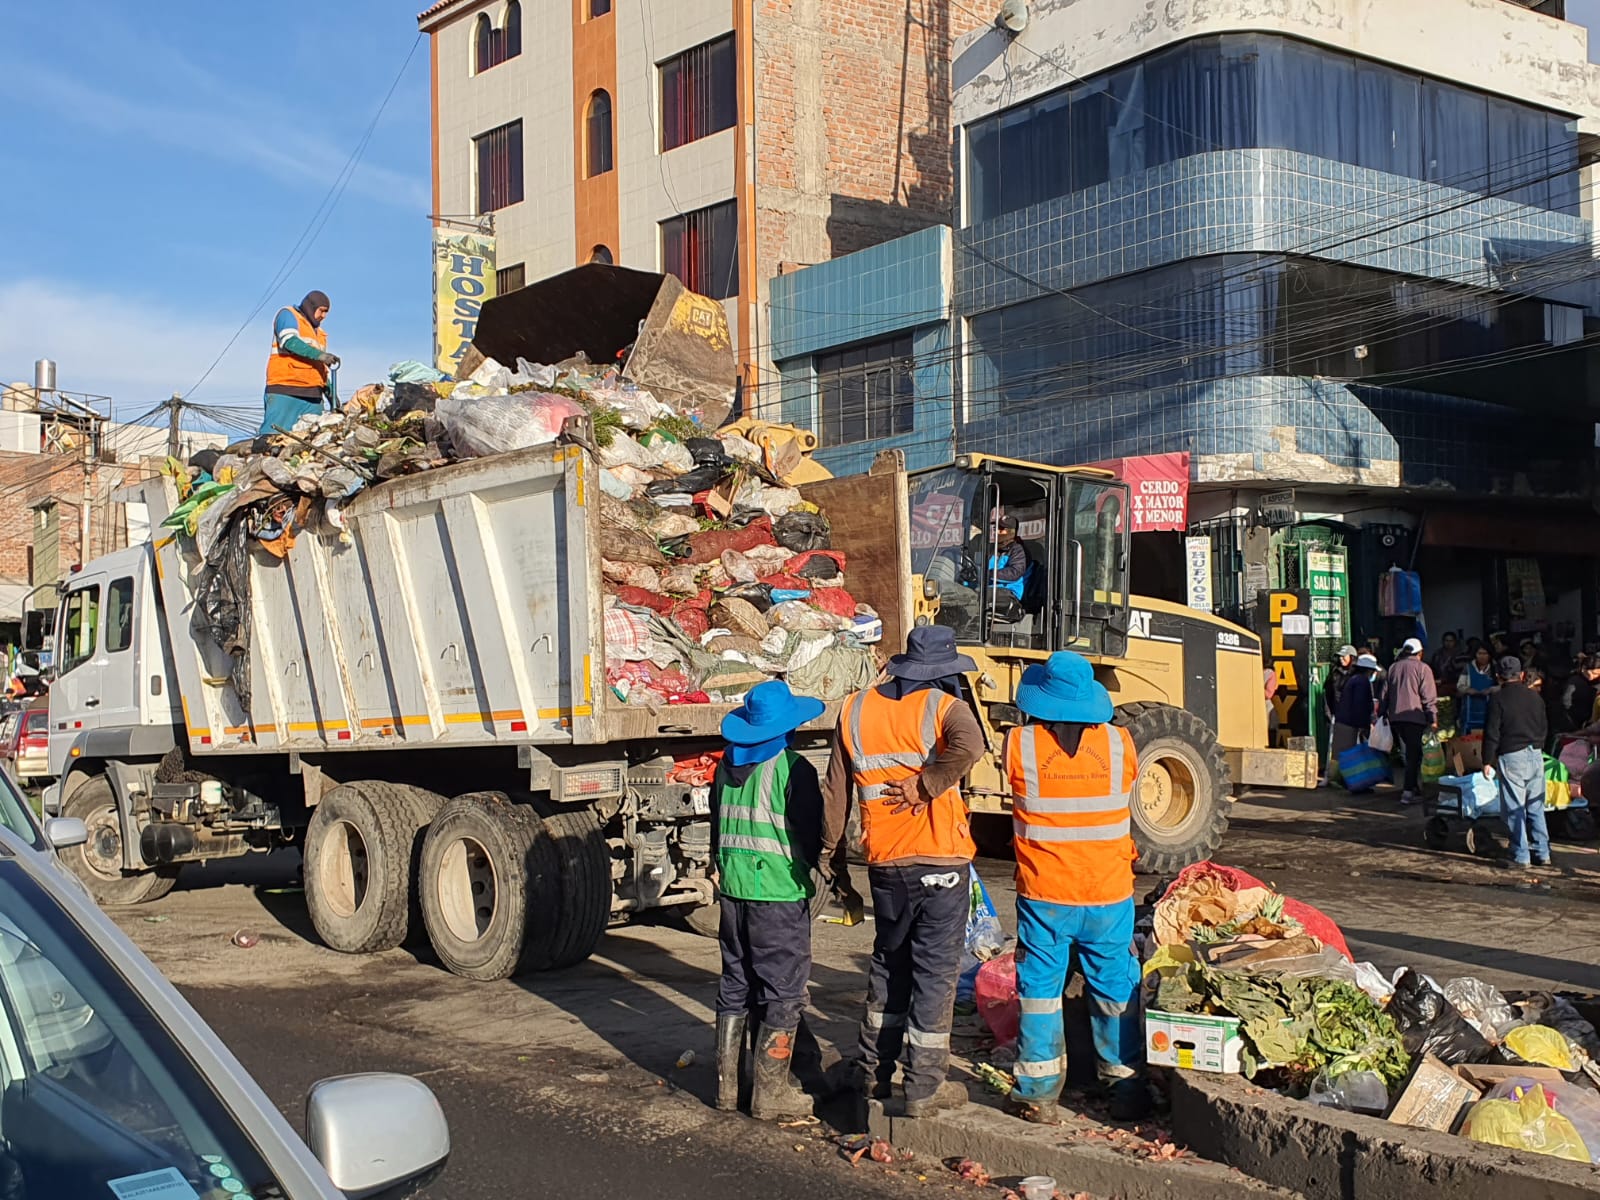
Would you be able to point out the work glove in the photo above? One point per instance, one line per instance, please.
(846, 897)
(329, 360)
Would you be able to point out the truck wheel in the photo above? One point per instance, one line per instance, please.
(361, 854)
(580, 895)
(1180, 804)
(486, 864)
(98, 862)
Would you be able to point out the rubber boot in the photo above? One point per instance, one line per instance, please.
(730, 1049)
(775, 1094)
(948, 1095)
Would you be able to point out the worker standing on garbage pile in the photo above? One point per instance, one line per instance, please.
(1072, 774)
(906, 744)
(298, 366)
(766, 804)
(1513, 748)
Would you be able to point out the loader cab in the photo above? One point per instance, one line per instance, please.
(1067, 588)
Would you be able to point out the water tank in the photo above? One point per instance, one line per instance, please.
(44, 375)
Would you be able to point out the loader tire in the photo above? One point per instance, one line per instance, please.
(98, 862)
(361, 853)
(580, 893)
(486, 866)
(1180, 804)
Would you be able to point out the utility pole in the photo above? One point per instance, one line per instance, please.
(174, 410)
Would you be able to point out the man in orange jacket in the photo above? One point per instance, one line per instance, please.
(905, 746)
(1072, 776)
(298, 366)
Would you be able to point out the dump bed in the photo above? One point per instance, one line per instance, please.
(463, 607)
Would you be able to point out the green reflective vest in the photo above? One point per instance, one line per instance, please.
(754, 854)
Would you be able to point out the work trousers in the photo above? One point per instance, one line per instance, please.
(283, 411)
(1521, 775)
(1102, 936)
(1409, 734)
(920, 924)
(766, 960)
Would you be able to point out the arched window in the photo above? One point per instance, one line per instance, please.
(483, 40)
(601, 254)
(511, 34)
(597, 136)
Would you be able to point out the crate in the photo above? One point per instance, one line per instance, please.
(1192, 1041)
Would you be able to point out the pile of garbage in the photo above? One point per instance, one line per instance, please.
(717, 574)
(1300, 1014)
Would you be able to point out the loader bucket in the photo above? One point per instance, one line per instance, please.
(680, 346)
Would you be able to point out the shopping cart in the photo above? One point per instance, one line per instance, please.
(1467, 812)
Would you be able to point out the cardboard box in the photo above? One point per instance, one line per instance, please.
(1466, 755)
(1487, 1075)
(1435, 1097)
(1192, 1041)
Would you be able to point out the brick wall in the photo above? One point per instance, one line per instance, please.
(27, 479)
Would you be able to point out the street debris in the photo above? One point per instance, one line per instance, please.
(685, 1060)
(970, 1170)
(246, 938)
(994, 1078)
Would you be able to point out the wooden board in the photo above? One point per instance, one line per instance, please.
(869, 518)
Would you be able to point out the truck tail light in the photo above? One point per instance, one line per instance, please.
(595, 782)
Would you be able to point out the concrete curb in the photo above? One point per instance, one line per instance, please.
(1329, 1155)
(1007, 1146)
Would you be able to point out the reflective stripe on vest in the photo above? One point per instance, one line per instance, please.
(1072, 825)
(891, 740)
(754, 854)
(290, 370)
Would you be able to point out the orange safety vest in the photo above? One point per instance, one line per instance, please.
(890, 740)
(1071, 813)
(290, 370)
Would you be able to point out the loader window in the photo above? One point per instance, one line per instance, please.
(80, 617)
(119, 615)
(1016, 561)
(1097, 559)
(947, 545)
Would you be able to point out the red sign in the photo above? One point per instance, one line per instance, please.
(1158, 489)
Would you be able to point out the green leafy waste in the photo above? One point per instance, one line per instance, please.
(1297, 1024)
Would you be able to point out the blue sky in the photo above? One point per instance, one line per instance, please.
(159, 168)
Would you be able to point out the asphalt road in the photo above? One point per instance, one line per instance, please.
(564, 1084)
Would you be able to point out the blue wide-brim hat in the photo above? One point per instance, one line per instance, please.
(930, 654)
(769, 710)
(1063, 688)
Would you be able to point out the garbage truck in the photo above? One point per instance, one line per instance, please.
(429, 717)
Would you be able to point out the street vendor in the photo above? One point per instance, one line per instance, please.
(1072, 775)
(904, 746)
(299, 364)
(766, 804)
(1513, 750)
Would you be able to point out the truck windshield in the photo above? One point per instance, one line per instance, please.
(947, 544)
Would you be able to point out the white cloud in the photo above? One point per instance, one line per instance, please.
(139, 352)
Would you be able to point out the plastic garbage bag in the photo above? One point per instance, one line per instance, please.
(535, 374)
(672, 525)
(623, 451)
(984, 937)
(799, 531)
(1579, 1104)
(700, 479)
(1433, 765)
(222, 603)
(1381, 736)
(834, 673)
(1543, 1008)
(1484, 1008)
(995, 993)
(1528, 1123)
(490, 379)
(1430, 1024)
(1354, 1091)
(1541, 1045)
(497, 424)
(412, 371)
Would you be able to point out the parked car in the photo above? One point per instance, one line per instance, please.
(102, 1055)
(27, 750)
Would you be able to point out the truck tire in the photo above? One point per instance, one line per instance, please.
(487, 865)
(98, 862)
(580, 895)
(1180, 805)
(361, 854)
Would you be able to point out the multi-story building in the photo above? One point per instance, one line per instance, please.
(720, 140)
(1341, 250)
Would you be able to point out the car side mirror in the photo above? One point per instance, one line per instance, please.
(62, 832)
(375, 1132)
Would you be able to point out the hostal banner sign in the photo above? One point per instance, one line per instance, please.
(463, 278)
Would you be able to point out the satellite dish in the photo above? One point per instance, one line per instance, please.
(1013, 16)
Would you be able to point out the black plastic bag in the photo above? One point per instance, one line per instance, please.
(222, 602)
(698, 480)
(758, 594)
(1430, 1024)
(707, 452)
(801, 531)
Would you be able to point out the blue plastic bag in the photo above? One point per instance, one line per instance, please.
(984, 937)
(1480, 797)
(1362, 768)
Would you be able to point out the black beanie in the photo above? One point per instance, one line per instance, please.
(312, 302)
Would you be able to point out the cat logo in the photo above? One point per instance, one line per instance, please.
(1138, 623)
